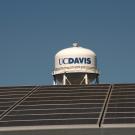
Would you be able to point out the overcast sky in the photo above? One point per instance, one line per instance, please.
(32, 31)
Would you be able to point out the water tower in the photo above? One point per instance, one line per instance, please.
(75, 66)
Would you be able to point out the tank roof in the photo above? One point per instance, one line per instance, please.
(76, 49)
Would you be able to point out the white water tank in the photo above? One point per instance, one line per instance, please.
(75, 65)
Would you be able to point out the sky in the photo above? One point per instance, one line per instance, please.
(33, 31)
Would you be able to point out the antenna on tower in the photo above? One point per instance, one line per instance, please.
(76, 44)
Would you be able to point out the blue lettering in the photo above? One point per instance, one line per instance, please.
(85, 62)
(81, 60)
(60, 62)
(77, 60)
(70, 60)
(88, 61)
(65, 61)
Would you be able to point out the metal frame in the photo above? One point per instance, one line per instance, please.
(65, 79)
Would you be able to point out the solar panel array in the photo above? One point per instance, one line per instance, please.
(121, 106)
(99, 105)
(57, 105)
(9, 96)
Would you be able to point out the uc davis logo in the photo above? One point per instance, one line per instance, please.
(77, 60)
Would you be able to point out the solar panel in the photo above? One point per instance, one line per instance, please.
(59, 105)
(10, 96)
(121, 106)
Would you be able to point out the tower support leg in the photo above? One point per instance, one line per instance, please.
(64, 79)
(54, 80)
(97, 80)
(86, 79)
